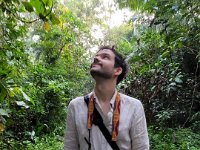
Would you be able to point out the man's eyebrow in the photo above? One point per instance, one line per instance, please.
(105, 54)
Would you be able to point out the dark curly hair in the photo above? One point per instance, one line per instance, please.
(119, 62)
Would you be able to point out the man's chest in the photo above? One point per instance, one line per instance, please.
(81, 120)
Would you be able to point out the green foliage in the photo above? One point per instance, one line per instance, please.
(173, 139)
(43, 9)
(38, 77)
(136, 5)
(164, 63)
(44, 65)
(47, 142)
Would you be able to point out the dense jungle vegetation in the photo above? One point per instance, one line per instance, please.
(45, 54)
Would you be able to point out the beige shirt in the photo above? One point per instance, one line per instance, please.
(132, 127)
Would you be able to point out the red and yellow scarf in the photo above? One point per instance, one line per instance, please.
(116, 115)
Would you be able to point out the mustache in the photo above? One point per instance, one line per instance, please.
(95, 63)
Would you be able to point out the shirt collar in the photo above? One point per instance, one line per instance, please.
(112, 101)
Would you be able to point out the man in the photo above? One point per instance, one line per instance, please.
(122, 115)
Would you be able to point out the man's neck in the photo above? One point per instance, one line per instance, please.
(105, 90)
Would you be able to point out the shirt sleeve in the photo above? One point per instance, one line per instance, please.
(139, 134)
(71, 139)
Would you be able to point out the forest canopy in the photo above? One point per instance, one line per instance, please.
(46, 47)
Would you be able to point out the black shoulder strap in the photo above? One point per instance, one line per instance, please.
(86, 99)
(97, 120)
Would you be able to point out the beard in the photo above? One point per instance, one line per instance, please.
(100, 73)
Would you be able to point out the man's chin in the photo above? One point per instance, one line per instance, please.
(95, 73)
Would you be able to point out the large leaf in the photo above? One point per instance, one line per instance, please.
(39, 6)
(3, 112)
(26, 97)
(178, 80)
(21, 103)
(48, 3)
(28, 6)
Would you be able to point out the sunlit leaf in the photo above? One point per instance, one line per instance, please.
(25, 96)
(3, 112)
(153, 87)
(165, 54)
(21, 103)
(2, 127)
(16, 90)
(38, 6)
(61, 24)
(172, 84)
(46, 26)
(48, 2)
(31, 134)
(178, 80)
(11, 93)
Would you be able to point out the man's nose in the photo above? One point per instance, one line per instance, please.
(96, 59)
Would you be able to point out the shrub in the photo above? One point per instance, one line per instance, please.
(173, 139)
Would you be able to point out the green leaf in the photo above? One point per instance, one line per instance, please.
(3, 92)
(48, 2)
(2, 127)
(3, 112)
(26, 97)
(153, 87)
(21, 103)
(165, 54)
(28, 6)
(54, 19)
(178, 80)
(180, 44)
(39, 6)
(46, 26)
(172, 84)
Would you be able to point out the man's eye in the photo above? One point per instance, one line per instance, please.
(105, 57)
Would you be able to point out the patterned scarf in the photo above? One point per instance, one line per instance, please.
(116, 115)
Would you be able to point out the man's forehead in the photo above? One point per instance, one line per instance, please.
(105, 51)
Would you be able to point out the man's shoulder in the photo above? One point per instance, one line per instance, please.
(77, 105)
(129, 99)
(77, 100)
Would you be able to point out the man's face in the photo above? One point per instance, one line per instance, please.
(103, 64)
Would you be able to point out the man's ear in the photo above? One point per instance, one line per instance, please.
(117, 71)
